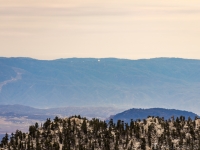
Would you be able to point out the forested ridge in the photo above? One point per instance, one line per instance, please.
(79, 133)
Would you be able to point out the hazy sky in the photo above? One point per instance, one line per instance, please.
(49, 29)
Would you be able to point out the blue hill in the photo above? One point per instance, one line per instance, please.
(135, 114)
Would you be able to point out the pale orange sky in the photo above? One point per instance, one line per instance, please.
(133, 29)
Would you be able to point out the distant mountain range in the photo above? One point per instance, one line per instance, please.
(109, 82)
(135, 114)
(11, 111)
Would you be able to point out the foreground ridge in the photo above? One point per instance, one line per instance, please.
(79, 133)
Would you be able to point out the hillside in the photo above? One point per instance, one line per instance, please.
(135, 114)
(79, 133)
(160, 82)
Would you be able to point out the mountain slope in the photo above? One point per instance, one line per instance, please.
(161, 82)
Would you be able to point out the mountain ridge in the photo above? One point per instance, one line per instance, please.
(158, 82)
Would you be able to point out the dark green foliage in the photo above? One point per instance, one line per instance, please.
(84, 126)
(32, 130)
(4, 140)
(143, 145)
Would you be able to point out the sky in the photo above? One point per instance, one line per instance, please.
(132, 29)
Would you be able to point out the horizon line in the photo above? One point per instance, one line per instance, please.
(35, 58)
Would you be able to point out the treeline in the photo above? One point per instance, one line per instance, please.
(79, 133)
